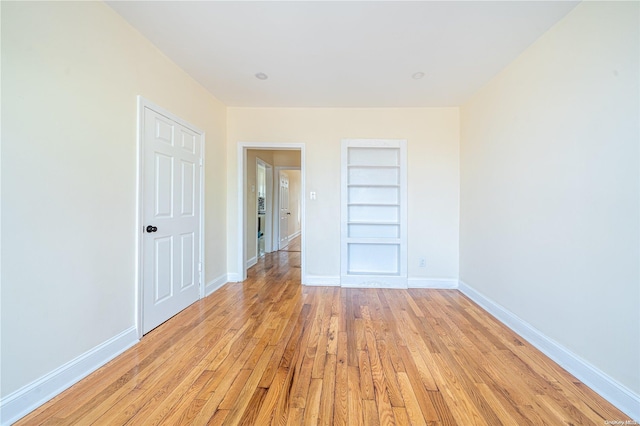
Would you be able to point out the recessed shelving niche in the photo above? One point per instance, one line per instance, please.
(373, 213)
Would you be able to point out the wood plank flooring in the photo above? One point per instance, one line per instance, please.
(269, 351)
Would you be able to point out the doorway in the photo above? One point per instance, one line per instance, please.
(277, 155)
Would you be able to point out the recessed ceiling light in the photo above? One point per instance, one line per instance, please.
(261, 76)
(418, 75)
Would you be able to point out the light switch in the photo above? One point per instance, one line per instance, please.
(312, 195)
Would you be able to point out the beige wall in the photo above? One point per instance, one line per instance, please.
(70, 75)
(433, 147)
(550, 184)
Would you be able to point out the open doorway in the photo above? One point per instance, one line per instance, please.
(261, 230)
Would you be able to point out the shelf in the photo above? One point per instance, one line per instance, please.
(364, 185)
(377, 274)
(362, 222)
(371, 205)
(378, 240)
(369, 166)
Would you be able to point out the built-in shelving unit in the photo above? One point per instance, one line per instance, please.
(374, 213)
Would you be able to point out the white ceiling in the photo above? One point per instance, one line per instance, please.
(342, 54)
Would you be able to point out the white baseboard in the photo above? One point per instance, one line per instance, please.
(371, 284)
(26, 399)
(334, 281)
(322, 280)
(436, 283)
(252, 261)
(295, 234)
(619, 395)
(215, 284)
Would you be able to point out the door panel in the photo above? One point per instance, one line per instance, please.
(188, 188)
(171, 204)
(163, 278)
(163, 186)
(187, 249)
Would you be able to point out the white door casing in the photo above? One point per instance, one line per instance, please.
(268, 217)
(241, 182)
(284, 211)
(171, 255)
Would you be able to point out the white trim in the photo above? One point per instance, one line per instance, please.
(252, 261)
(294, 235)
(374, 282)
(435, 283)
(139, 216)
(268, 210)
(215, 284)
(241, 158)
(322, 280)
(139, 232)
(203, 164)
(233, 277)
(21, 402)
(610, 389)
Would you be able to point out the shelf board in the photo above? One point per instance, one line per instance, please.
(371, 166)
(374, 204)
(364, 185)
(378, 240)
(364, 222)
(373, 274)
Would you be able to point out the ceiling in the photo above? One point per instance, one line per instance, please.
(342, 53)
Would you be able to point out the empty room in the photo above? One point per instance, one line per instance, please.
(320, 212)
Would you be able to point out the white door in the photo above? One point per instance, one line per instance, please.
(284, 210)
(171, 218)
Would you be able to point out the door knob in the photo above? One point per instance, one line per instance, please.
(288, 213)
(151, 229)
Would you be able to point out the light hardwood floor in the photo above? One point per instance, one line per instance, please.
(269, 351)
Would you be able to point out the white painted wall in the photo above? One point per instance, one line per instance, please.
(433, 148)
(550, 188)
(70, 75)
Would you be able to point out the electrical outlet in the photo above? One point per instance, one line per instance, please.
(422, 262)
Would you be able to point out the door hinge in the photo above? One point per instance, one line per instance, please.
(201, 161)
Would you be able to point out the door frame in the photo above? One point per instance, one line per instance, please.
(143, 103)
(268, 229)
(241, 156)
